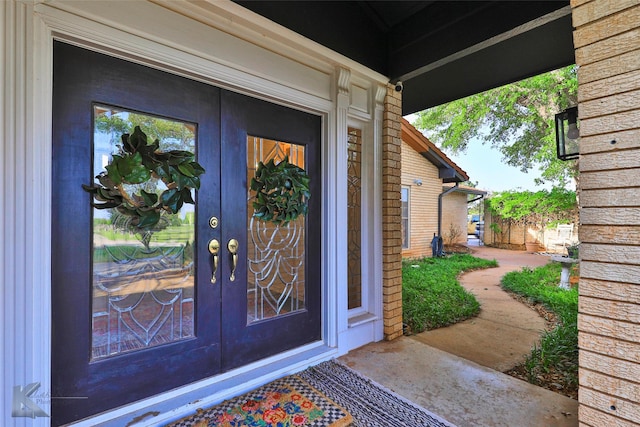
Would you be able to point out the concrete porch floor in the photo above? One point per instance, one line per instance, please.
(455, 372)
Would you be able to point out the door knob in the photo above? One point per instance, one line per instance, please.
(232, 246)
(214, 248)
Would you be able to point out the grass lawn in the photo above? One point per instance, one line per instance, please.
(432, 297)
(555, 360)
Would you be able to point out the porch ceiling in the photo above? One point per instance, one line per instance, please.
(440, 50)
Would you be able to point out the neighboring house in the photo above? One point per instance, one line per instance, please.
(260, 80)
(455, 208)
(424, 169)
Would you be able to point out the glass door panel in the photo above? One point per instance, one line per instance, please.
(276, 253)
(143, 280)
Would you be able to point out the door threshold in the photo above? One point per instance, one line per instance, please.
(175, 404)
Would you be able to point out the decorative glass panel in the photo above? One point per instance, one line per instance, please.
(354, 212)
(143, 282)
(276, 253)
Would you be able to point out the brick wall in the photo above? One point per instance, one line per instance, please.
(454, 215)
(423, 207)
(391, 215)
(607, 42)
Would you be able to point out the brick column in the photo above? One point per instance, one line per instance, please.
(391, 215)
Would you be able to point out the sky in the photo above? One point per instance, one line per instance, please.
(485, 166)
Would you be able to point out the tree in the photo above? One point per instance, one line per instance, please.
(517, 119)
(540, 208)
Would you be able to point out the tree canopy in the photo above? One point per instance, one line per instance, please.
(540, 207)
(517, 119)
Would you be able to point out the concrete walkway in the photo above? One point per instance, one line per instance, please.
(455, 372)
(505, 330)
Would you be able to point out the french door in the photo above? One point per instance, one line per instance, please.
(140, 311)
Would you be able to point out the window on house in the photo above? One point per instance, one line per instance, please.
(404, 199)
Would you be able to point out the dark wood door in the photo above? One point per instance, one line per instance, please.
(275, 303)
(137, 314)
(105, 354)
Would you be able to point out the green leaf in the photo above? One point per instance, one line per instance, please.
(171, 199)
(176, 157)
(150, 199)
(113, 173)
(148, 218)
(126, 144)
(197, 169)
(106, 205)
(138, 175)
(137, 139)
(186, 196)
(89, 188)
(103, 194)
(104, 179)
(187, 169)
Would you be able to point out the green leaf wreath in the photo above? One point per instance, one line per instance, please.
(138, 163)
(282, 192)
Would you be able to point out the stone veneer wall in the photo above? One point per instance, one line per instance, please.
(391, 215)
(607, 43)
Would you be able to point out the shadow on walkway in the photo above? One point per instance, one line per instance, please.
(456, 372)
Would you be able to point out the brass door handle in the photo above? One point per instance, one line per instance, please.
(232, 246)
(214, 248)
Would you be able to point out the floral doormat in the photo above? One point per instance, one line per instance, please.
(287, 402)
(325, 395)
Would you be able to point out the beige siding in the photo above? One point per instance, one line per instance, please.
(454, 217)
(607, 41)
(423, 209)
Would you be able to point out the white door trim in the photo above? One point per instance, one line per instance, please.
(29, 28)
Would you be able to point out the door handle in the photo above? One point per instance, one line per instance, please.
(232, 246)
(214, 248)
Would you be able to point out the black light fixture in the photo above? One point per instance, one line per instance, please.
(567, 134)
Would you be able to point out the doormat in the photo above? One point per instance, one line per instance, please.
(345, 397)
(287, 402)
(369, 403)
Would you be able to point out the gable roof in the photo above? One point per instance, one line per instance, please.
(448, 171)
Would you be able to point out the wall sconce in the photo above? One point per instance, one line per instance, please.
(567, 134)
(417, 182)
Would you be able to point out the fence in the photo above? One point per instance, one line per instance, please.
(506, 234)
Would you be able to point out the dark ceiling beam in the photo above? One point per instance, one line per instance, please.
(450, 28)
(543, 48)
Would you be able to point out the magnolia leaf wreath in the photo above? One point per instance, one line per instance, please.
(138, 166)
(282, 192)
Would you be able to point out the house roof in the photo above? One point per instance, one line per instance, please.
(440, 50)
(465, 189)
(448, 171)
